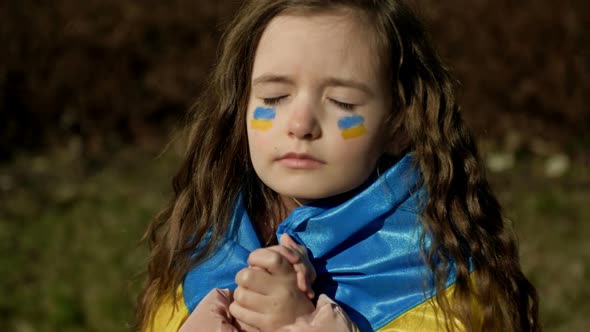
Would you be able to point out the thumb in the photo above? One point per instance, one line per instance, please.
(287, 241)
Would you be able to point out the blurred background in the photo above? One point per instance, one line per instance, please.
(93, 92)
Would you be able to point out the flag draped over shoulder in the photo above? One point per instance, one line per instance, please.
(366, 251)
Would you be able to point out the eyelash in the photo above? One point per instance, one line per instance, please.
(273, 101)
(276, 100)
(344, 106)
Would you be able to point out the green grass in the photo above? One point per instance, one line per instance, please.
(551, 219)
(69, 237)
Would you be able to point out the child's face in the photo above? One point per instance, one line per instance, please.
(317, 107)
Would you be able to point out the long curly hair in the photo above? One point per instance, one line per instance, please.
(461, 218)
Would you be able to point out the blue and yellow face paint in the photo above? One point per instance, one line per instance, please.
(263, 117)
(352, 126)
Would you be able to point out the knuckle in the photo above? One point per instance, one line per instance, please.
(238, 295)
(275, 259)
(257, 253)
(244, 276)
(233, 309)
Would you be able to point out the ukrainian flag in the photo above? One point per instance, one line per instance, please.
(352, 126)
(263, 118)
(371, 265)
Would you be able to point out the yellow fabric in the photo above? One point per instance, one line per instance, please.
(419, 318)
(423, 316)
(169, 317)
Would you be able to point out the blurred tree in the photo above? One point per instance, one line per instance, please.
(105, 72)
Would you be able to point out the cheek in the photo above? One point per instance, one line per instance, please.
(357, 143)
(352, 126)
(357, 153)
(262, 119)
(261, 138)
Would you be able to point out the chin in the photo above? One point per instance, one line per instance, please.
(311, 188)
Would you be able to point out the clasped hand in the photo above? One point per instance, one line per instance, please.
(275, 288)
(273, 291)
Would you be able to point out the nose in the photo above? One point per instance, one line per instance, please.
(303, 123)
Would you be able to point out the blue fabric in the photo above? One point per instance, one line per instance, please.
(220, 269)
(365, 251)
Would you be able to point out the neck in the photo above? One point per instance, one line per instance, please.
(289, 204)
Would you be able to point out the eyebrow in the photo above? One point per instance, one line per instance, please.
(330, 81)
(271, 78)
(333, 81)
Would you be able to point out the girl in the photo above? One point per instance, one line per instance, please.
(341, 106)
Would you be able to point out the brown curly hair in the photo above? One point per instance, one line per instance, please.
(462, 217)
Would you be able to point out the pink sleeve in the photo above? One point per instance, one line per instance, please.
(212, 314)
(328, 316)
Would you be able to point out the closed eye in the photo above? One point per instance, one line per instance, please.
(342, 105)
(273, 101)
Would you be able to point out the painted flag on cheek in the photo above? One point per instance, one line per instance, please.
(263, 117)
(352, 126)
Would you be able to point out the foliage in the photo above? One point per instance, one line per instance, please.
(106, 71)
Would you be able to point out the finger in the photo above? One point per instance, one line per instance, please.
(305, 272)
(301, 251)
(246, 316)
(243, 327)
(305, 275)
(286, 252)
(290, 254)
(270, 260)
(304, 284)
(250, 300)
(255, 279)
(286, 240)
(310, 274)
(293, 257)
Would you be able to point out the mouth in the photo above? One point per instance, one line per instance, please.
(300, 161)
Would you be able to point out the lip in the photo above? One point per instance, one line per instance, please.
(295, 160)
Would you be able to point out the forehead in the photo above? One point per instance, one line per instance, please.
(332, 43)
